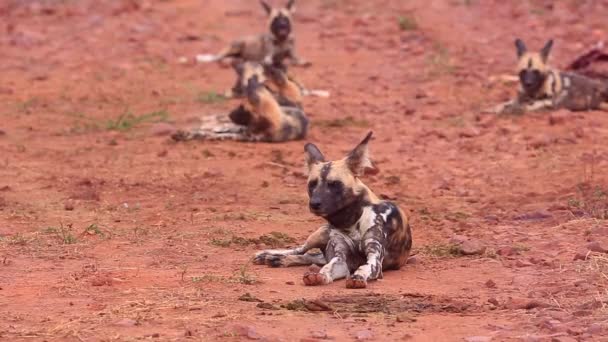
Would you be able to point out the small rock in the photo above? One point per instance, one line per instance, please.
(541, 141)
(595, 329)
(319, 334)
(559, 117)
(523, 303)
(582, 255)
(469, 132)
(405, 318)
(563, 339)
(162, 153)
(533, 216)
(101, 281)
(493, 301)
(550, 324)
(413, 260)
(247, 297)
(364, 335)
(290, 282)
(472, 247)
(126, 323)
(478, 339)
(267, 306)
(458, 239)
(2, 132)
(597, 247)
(523, 263)
(69, 206)
(247, 331)
(506, 251)
(490, 284)
(162, 128)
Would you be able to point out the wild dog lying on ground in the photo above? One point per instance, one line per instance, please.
(545, 88)
(363, 235)
(261, 48)
(263, 116)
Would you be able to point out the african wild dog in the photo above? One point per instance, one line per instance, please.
(287, 91)
(263, 116)
(542, 87)
(261, 48)
(363, 235)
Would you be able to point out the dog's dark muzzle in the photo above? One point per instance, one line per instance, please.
(531, 80)
(281, 27)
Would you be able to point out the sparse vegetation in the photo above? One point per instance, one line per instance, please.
(441, 250)
(347, 121)
(210, 97)
(590, 200)
(440, 62)
(62, 233)
(241, 276)
(272, 239)
(128, 120)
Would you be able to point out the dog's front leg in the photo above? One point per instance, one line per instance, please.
(539, 105)
(341, 256)
(373, 245)
(287, 257)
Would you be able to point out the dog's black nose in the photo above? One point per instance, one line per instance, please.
(315, 205)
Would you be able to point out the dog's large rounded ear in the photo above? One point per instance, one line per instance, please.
(521, 47)
(313, 155)
(266, 6)
(358, 160)
(291, 6)
(544, 53)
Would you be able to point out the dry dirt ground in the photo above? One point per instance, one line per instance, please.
(109, 231)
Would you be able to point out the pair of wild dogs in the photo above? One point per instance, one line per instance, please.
(271, 108)
(545, 88)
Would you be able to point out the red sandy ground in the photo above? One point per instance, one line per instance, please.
(123, 235)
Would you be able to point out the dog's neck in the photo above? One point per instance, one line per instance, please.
(350, 214)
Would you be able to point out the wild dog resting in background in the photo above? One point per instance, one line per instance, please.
(545, 88)
(261, 48)
(263, 115)
(363, 235)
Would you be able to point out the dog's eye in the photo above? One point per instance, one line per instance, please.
(312, 185)
(334, 185)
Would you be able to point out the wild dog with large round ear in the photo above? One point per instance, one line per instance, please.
(363, 235)
(542, 87)
(279, 39)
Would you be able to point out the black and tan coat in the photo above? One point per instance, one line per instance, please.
(271, 111)
(542, 87)
(363, 236)
(278, 41)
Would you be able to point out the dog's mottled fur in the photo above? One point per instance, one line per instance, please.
(262, 116)
(279, 41)
(363, 235)
(544, 88)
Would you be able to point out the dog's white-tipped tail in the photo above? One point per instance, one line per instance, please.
(206, 58)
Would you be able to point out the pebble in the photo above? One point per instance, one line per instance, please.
(559, 117)
(523, 303)
(363, 335)
(472, 247)
(490, 284)
(247, 331)
(319, 334)
(126, 322)
(478, 339)
(162, 129)
(523, 263)
(597, 247)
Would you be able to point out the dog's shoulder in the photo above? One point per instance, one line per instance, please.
(382, 213)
